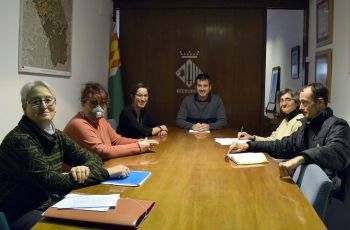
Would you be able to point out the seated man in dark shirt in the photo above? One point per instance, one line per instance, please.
(323, 139)
(203, 110)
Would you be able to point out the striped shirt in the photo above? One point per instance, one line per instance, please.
(30, 168)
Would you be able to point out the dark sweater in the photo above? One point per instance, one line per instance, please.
(30, 168)
(130, 127)
(210, 111)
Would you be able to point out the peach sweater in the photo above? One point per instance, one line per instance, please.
(100, 138)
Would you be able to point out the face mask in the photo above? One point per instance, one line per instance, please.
(98, 112)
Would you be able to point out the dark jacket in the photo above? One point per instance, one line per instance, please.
(325, 141)
(30, 168)
(130, 127)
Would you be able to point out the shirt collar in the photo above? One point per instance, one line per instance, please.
(292, 114)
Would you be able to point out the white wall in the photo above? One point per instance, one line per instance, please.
(284, 30)
(340, 92)
(90, 50)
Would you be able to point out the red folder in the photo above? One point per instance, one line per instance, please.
(128, 213)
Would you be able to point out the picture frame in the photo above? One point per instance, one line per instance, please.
(45, 38)
(295, 62)
(275, 86)
(323, 68)
(324, 22)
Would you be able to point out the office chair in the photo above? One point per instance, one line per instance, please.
(337, 215)
(315, 185)
(3, 222)
(113, 123)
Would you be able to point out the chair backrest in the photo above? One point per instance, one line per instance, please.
(3, 222)
(113, 123)
(315, 185)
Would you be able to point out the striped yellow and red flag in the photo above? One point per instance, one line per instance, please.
(115, 87)
(114, 55)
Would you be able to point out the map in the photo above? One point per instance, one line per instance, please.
(45, 37)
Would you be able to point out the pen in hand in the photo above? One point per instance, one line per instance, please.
(242, 129)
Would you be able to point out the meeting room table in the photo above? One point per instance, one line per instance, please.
(193, 187)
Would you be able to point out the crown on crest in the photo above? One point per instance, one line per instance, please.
(189, 54)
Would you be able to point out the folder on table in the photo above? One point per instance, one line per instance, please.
(135, 178)
(248, 158)
(128, 213)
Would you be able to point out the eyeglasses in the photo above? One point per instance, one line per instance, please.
(142, 95)
(306, 104)
(286, 100)
(37, 102)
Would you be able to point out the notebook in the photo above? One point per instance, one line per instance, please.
(248, 158)
(134, 179)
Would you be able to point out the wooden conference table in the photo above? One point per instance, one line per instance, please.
(194, 188)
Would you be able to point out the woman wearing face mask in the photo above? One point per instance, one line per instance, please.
(91, 130)
(31, 157)
(135, 121)
(289, 104)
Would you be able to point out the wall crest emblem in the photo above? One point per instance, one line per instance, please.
(189, 70)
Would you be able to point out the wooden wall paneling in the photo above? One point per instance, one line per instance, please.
(231, 45)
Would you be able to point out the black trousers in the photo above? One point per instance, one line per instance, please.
(27, 221)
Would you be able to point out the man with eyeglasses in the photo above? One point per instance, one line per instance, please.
(203, 110)
(323, 139)
(31, 158)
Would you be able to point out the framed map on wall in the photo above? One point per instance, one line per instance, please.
(45, 37)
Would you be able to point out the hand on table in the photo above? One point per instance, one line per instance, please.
(287, 167)
(200, 127)
(80, 173)
(147, 145)
(119, 171)
(237, 147)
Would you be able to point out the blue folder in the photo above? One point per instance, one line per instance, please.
(135, 178)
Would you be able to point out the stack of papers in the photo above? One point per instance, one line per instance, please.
(248, 158)
(228, 141)
(194, 131)
(135, 178)
(99, 203)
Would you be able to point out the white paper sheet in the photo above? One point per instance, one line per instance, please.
(194, 131)
(88, 202)
(228, 141)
